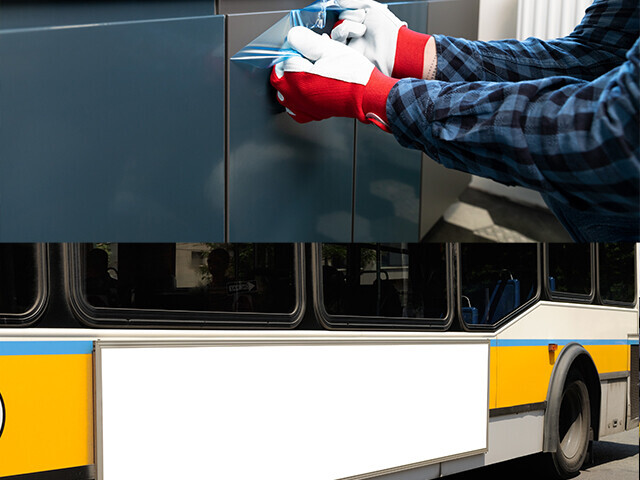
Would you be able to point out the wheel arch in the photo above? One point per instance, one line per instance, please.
(573, 357)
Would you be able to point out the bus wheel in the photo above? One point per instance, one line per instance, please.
(573, 428)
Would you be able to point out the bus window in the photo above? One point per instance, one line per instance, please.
(394, 284)
(616, 262)
(569, 270)
(258, 278)
(496, 280)
(18, 281)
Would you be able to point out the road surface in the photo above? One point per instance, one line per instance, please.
(614, 457)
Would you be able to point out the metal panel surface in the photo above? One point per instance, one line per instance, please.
(441, 186)
(32, 14)
(457, 18)
(287, 181)
(634, 385)
(113, 132)
(387, 187)
(249, 6)
(614, 407)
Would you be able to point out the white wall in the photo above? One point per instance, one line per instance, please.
(548, 19)
(498, 19)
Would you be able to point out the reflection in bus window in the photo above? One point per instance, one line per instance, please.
(101, 286)
(18, 278)
(570, 268)
(617, 272)
(386, 280)
(191, 276)
(496, 280)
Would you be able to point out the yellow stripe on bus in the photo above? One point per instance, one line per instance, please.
(520, 374)
(48, 412)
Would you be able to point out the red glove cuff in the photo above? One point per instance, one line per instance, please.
(409, 62)
(374, 101)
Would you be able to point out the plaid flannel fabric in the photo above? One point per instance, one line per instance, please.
(599, 44)
(560, 117)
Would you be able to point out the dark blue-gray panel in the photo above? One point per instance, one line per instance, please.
(287, 182)
(387, 192)
(113, 132)
(48, 13)
(252, 6)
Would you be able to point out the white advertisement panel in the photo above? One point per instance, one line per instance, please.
(288, 411)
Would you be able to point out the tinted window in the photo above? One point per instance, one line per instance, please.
(617, 272)
(191, 276)
(389, 280)
(496, 280)
(569, 268)
(18, 278)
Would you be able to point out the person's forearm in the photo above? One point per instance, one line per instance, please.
(597, 45)
(574, 140)
(514, 61)
(430, 60)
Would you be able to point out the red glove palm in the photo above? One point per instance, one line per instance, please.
(332, 80)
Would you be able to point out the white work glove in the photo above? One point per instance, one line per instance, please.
(330, 80)
(370, 28)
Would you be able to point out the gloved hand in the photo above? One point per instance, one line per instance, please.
(332, 81)
(385, 40)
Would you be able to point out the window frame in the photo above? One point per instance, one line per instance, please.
(614, 303)
(42, 294)
(511, 315)
(569, 296)
(114, 317)
(353, 322)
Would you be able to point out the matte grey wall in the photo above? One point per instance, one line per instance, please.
(441, 186)
(387, 183)
(113, 131)
(30, 14)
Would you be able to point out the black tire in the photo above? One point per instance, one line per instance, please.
(573, 428)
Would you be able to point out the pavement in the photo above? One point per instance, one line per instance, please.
(614, 457)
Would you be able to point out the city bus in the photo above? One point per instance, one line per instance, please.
(315, 361)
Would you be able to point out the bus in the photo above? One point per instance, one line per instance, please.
(315, 361)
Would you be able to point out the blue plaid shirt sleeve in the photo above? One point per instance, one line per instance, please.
(599, 44)
(574, 140)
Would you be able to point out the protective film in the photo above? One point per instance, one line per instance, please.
(271, 47)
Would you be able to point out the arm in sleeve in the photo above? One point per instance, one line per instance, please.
(596, 46)
(572, 140)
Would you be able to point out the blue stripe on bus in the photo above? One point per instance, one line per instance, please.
(46, 348)
(545, 342)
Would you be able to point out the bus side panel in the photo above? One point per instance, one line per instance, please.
(48, 408)
(609, 358)
(634, 386)
(493, 377)
(537, 363)
(525, 361)
(288, 411)
(523, 374)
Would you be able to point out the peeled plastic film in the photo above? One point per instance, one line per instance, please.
(271, 47)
